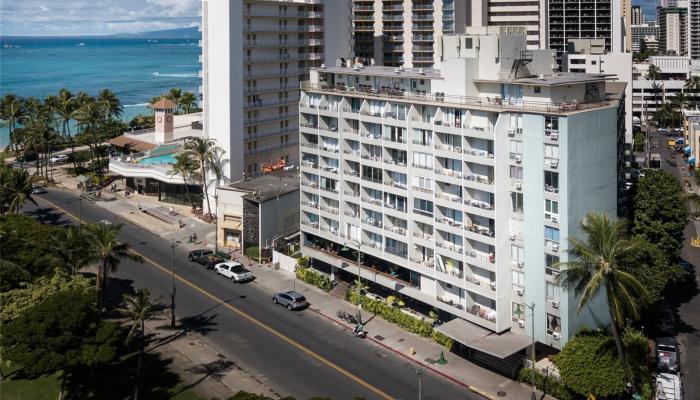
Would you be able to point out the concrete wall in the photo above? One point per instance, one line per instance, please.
(278, 217)
(337, 30)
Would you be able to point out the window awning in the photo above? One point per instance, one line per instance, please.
(482, 339)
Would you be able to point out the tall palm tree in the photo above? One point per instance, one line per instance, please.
(139, 308)
(17, 189)
(109, 104)
(680, 100)
(202, 150)
(692, 84)
(594, 269)
(653, 73)
(12, 111)
(70, 249)
(188, 102)
(103, 241)
(90, 116)
(185, 166)
(65, 108)
(175, 95)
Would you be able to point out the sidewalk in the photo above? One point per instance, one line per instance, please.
(195, 349)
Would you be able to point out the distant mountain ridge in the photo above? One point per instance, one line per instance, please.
(185, 33)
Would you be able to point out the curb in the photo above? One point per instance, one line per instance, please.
(422, 364)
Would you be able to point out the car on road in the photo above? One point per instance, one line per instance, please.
(60, 158)
(685, 265)
(233, 270)
(195, 254)
(667, 354)
(292, 300)
(38, 189)
(209, 260)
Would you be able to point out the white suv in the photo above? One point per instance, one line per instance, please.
(234, 271)
(61, 158)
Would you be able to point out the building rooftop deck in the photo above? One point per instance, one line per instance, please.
(182, 129)
(418, 73)
(268, 186)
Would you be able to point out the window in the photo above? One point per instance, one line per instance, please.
(518, 279)
(538, 89)
(551, 208)
(422, 137)
(551, 181)
(553, 324)
(516, 172)
(468, 43)
(516, 146)
(516, 202)
(552, 291)
(518, 312)
(422, 160)
(551, 151)
(551, 234)
(550, 262)
(423, 183)
(423, 206)
(516, 253)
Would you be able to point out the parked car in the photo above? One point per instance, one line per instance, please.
(668, 387)
(209, 260)
(666, 323)
(195, 254)
(685, 265)
(61, 158)
(233, 270)
(667, 354)
(292, 300)
(38, 189)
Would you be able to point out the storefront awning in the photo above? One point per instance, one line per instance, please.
(482, 339)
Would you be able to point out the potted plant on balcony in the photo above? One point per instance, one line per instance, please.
(393, 271)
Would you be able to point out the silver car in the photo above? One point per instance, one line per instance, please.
(292, 300)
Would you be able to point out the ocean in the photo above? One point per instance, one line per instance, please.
(136, 70)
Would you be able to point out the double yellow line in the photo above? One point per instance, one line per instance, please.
(250, 318)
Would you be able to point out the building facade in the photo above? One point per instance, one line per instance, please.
(460, 186)
(527, 13)
(584, 19)
(673, 30)
(637, 16)
(694, 29)
(404, 32)
(255, 53)
(643, 32)
(649, 95)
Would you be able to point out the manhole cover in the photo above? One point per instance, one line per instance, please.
(430, 360)
(401, 340)
(501, 394)
(379, 337)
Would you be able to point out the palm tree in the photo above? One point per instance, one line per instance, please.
(104, 244)
(71, 250)
(692, 84)
(90, 116)
(693, 200)
(17, 188)
(12, 111)
(653, 73)
(202, 150)
(680, 100)
(594, 269)
(175, 95)
(109, 104)
(139, 308)
(185, 166)
(188, 102)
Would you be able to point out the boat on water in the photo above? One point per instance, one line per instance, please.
(81, 44)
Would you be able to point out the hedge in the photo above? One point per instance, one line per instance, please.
(319, 280)
(548, 385)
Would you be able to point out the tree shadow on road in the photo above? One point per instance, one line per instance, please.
(50, 216)
(215, 369)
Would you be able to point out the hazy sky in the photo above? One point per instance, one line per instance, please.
(94, 17)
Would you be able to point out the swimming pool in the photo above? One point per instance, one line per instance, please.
(157, 160)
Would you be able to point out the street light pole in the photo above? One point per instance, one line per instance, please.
(173, 245)
(359, 283)
(80, 213)
(420, 372)
(216, 225)
(532, 351)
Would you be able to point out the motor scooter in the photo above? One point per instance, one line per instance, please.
(359, 331)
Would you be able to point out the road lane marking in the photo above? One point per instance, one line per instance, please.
(250, 318)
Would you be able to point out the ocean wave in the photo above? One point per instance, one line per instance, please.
(175, 75)
(136, 105)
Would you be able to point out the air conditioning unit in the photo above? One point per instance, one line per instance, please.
(521, 323)
(520, 264)
(554, 135)
(519, 185)
(511, 131)
(512, 236)
(554, 163)
(554, 247)
(520, 291)
(518, 159)
(555, 303)
(555, 218)
(556, 335)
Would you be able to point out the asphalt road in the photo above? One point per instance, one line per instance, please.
(296, 353)
(687, 298)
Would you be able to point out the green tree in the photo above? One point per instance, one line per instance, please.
(660, 212)
(692, 84)
(60, 334)
(589, 364)
(185, 166)
(680, 100)
(103, 241)
(652, 268)
(16, 188)
(71, 250)
(175, 95)
(139, 309)
(109, 105)
(594, 270)
(202, 150)
(188, 102)
(653, 73)
(11, 111)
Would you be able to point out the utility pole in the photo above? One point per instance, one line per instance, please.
(359, 282)
(216, 224)
(420, 372)
(532, 351)
(173, 245)
(80, 213)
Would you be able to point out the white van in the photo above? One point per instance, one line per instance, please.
(668, 387)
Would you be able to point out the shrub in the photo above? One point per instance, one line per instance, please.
(310, 276)
(392, 314)
(546, 384)
(442, 339)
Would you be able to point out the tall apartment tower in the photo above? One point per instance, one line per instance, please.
(626, 10)
(527, 13)
(255, 53)
(673, 30)
(694, 29)
(584, 19)
(458, 187)
(404, 32)
(637, 16)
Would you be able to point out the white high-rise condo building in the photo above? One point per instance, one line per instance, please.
(673, 30)
(584, 19)
(694, 29)
(404, 32)
(527, 13)
(255, 53)
(459, 186)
